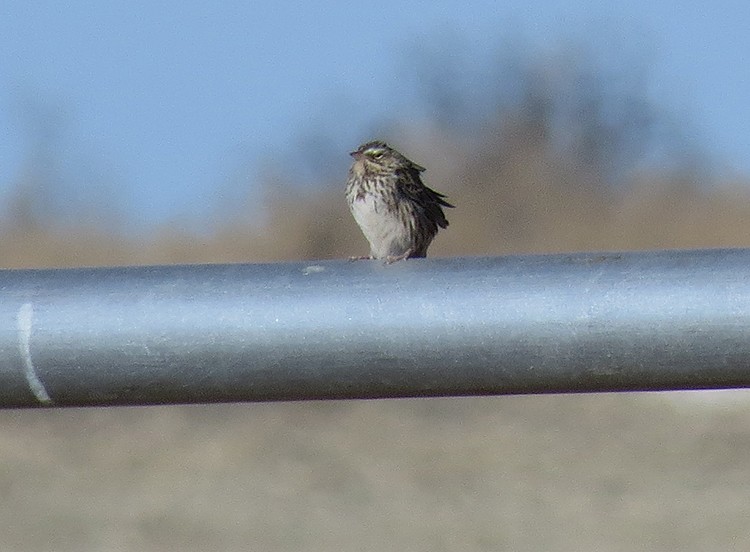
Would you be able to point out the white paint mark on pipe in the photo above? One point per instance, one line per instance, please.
(24, 320)
(312, 269)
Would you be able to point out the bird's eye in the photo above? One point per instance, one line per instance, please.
(377, 154)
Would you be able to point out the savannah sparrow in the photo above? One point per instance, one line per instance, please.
(398, 214)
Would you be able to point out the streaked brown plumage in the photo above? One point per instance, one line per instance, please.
(397, 213)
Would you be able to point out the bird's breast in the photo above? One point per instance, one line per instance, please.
(381, 224)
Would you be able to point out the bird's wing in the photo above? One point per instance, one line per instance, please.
(427, 199)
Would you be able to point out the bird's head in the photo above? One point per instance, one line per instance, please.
(378, 157)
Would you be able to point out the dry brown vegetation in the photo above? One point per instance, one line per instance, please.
(559, 473)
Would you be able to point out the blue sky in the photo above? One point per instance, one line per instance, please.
(162, 103)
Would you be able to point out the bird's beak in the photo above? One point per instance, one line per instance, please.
(356, 154)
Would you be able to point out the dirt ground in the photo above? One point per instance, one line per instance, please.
(610, 472)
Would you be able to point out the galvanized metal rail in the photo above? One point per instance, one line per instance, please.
(337, 329)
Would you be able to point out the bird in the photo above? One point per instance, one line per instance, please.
(396, 212)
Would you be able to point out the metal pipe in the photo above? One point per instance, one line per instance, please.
(336, 329)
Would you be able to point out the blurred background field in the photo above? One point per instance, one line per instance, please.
(559, 148)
